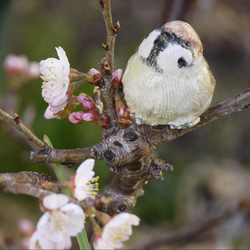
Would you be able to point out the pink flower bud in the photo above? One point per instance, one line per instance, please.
(117, 77)
(95, 71)
(81, 116)
(76, 117)
(87, 102)
(94, 76)
(120, 108)
(89, 117)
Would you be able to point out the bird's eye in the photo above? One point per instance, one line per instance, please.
(182, 62)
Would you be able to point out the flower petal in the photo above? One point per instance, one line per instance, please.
(55, 201)
(75, 222)
(64, 59)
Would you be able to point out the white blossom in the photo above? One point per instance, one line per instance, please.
(58, 223)
(40, 240)
(84, 183)
(56, 81)
(117, 230)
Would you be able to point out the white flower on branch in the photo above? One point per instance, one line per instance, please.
(56, 76)
(60, 221)
(83, 182)
(117, 230)
(40, 240)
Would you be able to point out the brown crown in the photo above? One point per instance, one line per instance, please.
(187, 33)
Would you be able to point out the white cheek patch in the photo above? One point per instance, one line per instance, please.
(168, 58)
(148, 43)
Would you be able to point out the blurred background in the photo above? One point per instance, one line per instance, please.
(212, 164)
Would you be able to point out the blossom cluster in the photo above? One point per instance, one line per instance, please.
(59, 83)
(60, 221)
(63, 219)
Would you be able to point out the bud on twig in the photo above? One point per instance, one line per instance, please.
(81, 116)
(97, 99)
(105, 46)
(116, 28)
(87, 102)
(124, 123)
(106, 67)
(117, 78)
(101, 4)
(94, 76)
(103, 121)
(120, 106)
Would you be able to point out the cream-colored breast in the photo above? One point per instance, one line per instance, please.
(159, 98)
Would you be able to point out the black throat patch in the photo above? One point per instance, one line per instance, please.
(160, 43)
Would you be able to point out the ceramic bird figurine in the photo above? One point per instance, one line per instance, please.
(168, 81)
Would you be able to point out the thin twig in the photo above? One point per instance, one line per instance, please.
(17, 123)
(23, 183)
(107, 15)
(107, 65)
(190, 232)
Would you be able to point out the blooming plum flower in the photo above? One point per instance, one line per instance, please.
(56, 76)
(40, 240)
(117, 230)
(84, 183)
(60, 221)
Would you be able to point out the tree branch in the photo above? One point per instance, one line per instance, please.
(67, 156)
(107, 65)
(17, 123)
(23, 183)
(190, 232)
(111, 35)
(239, 102)
(108, 103)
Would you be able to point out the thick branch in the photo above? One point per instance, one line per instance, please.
(191, 232)
(157, 135)
(17, 123)
(107, 98)
(129, 154)
(67, 156)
